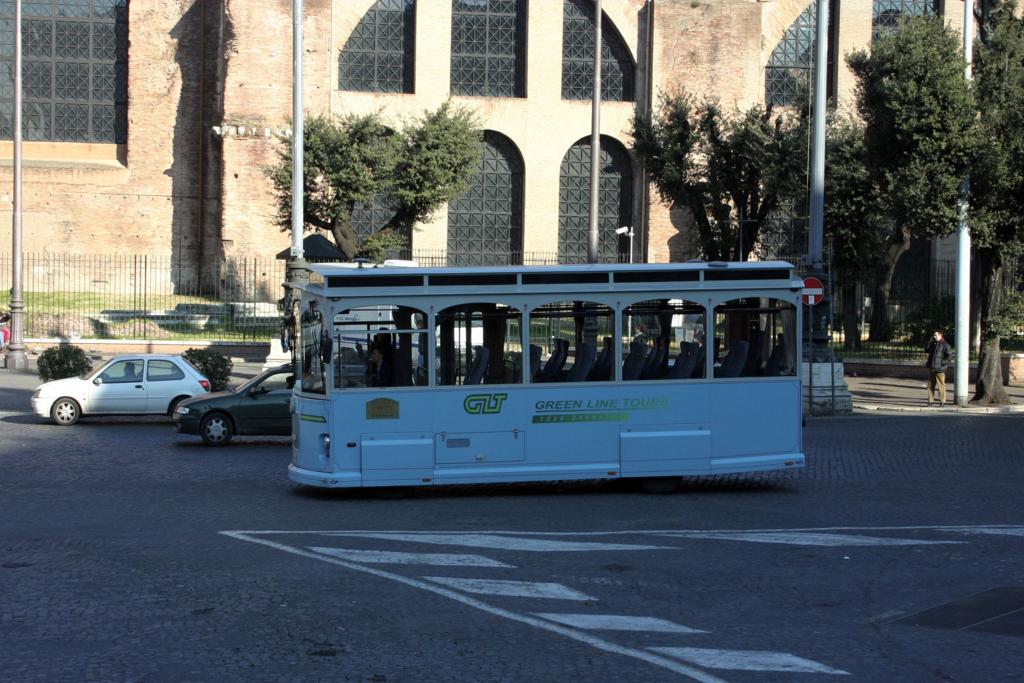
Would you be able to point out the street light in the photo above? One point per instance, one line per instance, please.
(628, 232)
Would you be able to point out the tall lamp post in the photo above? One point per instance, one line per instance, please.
(17, 359)
(963, 250)
(296, 273)
(817, 337)
(595, 142)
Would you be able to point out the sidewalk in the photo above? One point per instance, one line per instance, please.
(911, 395)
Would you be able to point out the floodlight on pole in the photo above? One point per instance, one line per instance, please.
(628, 232)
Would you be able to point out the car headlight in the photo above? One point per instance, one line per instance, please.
(182, 410)
(35, 394)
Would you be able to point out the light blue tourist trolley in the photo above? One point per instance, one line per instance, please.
(429, 376)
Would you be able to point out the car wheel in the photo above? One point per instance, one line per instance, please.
(216, 429)
(174, 404)
(65, 412)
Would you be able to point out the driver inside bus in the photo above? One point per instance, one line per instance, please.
(379, 372)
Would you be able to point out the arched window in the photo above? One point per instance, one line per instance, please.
(489, 48)
(790, 69)
(485, 224)
(574, 202)
(379, 55)
(787, 77)
(617, 67)
(75, 70)
(886, 14)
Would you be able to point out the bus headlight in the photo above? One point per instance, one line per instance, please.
(327, 445)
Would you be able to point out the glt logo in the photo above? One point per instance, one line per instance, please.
(484, 404)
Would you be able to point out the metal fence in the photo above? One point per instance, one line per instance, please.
(104, 296)
(921, 299)
(72, 296)
(144, 297)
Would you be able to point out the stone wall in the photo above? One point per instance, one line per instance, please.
(142, 197)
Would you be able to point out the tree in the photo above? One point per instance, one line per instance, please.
(346, 161)
(356, 158)
(855, 222)
(997, 185)
(729, 173)
(920, 122)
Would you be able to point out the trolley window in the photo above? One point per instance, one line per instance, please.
(663, 339)
(479, 344)
(572, 341)
(380, 346)
(754, 337)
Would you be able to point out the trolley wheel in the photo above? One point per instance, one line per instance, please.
(660, 485)
(216, 429)
(65, 412)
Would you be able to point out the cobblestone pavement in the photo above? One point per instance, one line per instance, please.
(114, 565)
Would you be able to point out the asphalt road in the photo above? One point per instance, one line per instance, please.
(128, 552)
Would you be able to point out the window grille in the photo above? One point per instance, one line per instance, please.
(616, 205)
(371, 217)
(887, 14)
(379, 55)
(787, 78)
(485, 224)
(489, 48)
(74, 70)
(617, 68)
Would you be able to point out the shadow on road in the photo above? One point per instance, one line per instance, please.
(690, 485)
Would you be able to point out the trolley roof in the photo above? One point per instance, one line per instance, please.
(345, 281)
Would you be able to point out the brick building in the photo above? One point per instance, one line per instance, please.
(148, 123)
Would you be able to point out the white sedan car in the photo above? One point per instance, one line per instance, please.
(126, 385)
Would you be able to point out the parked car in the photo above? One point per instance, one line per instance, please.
(143, 384)
(260, 406)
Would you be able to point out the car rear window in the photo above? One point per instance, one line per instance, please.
(163, 371)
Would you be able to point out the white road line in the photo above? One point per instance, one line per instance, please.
(636, 532)
(496, 542)
(512, 589)
(748, 660)
(387, 557)
(616, 622)
(586, 638)
(805, 538)
(1009, 531)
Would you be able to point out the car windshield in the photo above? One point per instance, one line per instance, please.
(259, 378)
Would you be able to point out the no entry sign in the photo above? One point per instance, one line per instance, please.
(813, 291)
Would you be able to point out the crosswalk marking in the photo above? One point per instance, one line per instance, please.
(748, 660)
(804, 538)
(497, 542)
(515, 589)
(394, 557)
(616, 622)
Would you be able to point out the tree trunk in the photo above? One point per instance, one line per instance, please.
(851, 326)
(881, 329)
(344, 238)
(989, 390)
